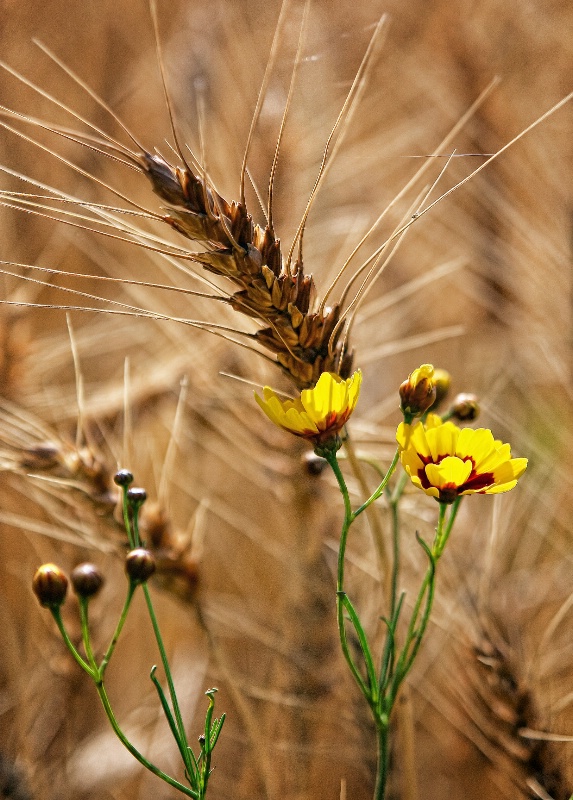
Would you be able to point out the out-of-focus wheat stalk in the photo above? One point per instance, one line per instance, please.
(479, 286)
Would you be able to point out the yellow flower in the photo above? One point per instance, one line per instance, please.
(319, 414)
(446, 461)
(418, 392)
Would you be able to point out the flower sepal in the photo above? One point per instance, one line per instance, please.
(328, 447)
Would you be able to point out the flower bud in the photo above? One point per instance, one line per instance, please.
(50, 585)
(442, 382)
(87, 580)
(139, 565)
(418, 393)
(465, 407)
(123, 478)
(136, 496)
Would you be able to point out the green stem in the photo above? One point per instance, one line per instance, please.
(415, 633)
(133, 750)
(83, 601)
(375, 691)
(56, 613)
(182, 742)
(117, 632)
(445, 534)
(395, 557)
(382, 732)
(348, 519)
(380, 490)
(340, 593)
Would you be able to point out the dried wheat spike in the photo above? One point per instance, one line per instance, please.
(86, 472)
(250, 256)
(176, 557)
(510, 706)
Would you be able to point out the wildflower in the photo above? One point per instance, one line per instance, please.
(418, 392)
(446, 461)
(319, 414)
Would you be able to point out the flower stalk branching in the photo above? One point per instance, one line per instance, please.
(50, 585)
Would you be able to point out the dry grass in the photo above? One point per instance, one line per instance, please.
(480, 286)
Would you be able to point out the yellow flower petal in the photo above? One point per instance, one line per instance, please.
(446, 461)
(502, 487)
(319, 413)
(478, 444)
(450, 472)
(442, 440)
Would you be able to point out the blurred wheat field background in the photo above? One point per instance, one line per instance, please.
(245, 535)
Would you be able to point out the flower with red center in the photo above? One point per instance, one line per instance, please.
(446, 461)
(318, 414)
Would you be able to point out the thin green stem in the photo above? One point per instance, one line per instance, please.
(380, 490)
(84, 618)
(340, 593)
(174, 701)
(56, 613)
(119, 627)
(382, 731)
(395, 557)
(372, 695)
(134, 751)
(348, 518)
(436, 548)
(425, 596)
(445, 533)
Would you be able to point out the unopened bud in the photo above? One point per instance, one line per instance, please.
(139, 565)
(123, 478)
(418, 393)
(50, 585)
(465, 407)
(442, 382)
(314, 464)
(87, 580)
(136, 496)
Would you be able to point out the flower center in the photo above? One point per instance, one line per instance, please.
(476, 481)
